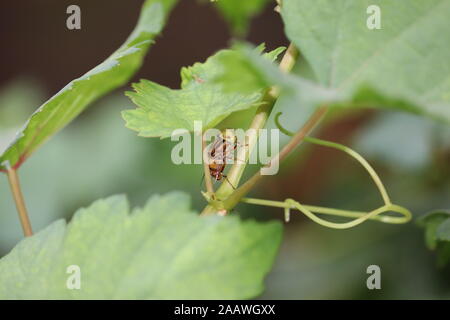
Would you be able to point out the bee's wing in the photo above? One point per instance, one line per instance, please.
(227, 151)
(216, 144)
(221, 149)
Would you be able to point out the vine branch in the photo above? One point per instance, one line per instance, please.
(360, 216)
(16, 191)
(259, 121)
(315, 118)
(208, 181)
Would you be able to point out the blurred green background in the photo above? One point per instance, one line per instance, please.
(96, 156)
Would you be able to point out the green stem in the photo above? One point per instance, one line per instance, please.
(236, 171)
(236, 196)
(259, 122)
(360, 216)
(208, 181)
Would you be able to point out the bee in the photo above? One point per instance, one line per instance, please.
(221, 152)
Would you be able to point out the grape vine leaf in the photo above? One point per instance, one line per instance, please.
(403, 66)
(70, 101)
(161, 251)
(405, 63)
(238, 13)
(162, 110)
(437, 233)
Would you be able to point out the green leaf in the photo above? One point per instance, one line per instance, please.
(437, 233)
(160, 251)
(245, 71)
(431, 222)
(443, 231)
(68, 103)
(162, 110)
(404, 64)
(240, 70)
(238, 13)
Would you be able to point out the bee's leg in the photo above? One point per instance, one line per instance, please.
(241, 145)
(230, 159)
(226, 178)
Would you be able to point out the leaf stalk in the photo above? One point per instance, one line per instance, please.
(16, 191)
(208, 181)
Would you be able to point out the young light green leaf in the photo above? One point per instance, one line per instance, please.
(238, 13)
(161, 110)
(241, 68)
(245, 71)
(68, 103)
(160, 251)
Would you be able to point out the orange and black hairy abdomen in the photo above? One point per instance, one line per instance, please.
(216, 170)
